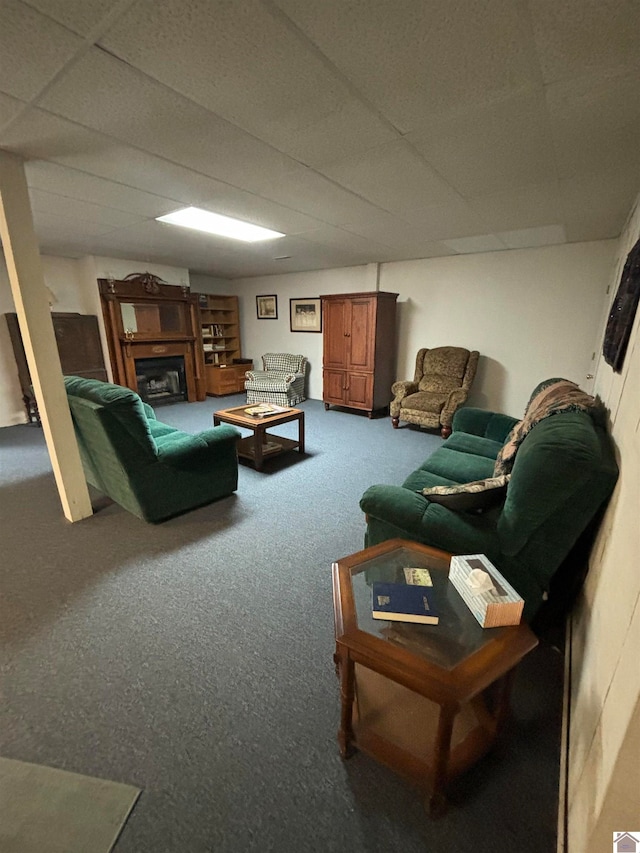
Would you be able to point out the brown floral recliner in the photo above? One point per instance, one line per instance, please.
(440, 385)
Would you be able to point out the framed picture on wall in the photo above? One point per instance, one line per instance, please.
(305, 315)
(267, 307)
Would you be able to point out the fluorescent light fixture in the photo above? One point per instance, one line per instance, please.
(215, 223)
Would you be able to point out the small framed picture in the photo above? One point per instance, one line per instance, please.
(305, 315)
(267, 307)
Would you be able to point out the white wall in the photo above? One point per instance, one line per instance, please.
(260, 336)
(73, 287)
(606, 626)
(531, 313)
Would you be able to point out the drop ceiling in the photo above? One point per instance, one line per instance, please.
(366, 130)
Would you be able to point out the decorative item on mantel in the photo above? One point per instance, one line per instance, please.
(150, 282)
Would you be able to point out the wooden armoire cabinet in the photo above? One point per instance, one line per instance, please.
(359, 349)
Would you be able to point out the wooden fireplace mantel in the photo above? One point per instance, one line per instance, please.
(161, 320)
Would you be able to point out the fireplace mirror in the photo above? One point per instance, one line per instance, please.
(145, 318)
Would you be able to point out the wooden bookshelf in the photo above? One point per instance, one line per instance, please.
(220, 332)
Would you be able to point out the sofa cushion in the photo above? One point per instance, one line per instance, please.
(477, 495)
(283, 362)
(443, 369)
(426, 401)
(476, 444)
(458, 466)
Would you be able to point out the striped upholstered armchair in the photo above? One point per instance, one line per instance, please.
(281, 381)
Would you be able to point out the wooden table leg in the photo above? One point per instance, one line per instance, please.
(347, 688)
(301, 433)
(502, 708)
(441, 751)
(258, 438)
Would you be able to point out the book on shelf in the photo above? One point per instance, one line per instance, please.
(400, 602)
(263, 410)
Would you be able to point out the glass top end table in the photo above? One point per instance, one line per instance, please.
(456, 665)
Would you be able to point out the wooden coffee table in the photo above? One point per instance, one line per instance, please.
(426, 700)
(262, 444)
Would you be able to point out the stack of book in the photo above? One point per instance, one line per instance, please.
(263, 410)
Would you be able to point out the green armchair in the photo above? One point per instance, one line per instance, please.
(151, 469)
(441, 382)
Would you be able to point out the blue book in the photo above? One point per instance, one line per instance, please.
(401, 602)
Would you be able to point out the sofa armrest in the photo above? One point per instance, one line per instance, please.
(272, 375)
(482, 422)
(149, 412)
(191, 452)
(455, 399)
(395, 505)
(403, 387)
(418, 518)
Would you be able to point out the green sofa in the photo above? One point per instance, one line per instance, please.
(151, 469)
(563, 473)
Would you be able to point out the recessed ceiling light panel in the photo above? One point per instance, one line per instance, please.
(215, 223)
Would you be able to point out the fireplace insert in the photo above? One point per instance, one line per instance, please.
(161, 380)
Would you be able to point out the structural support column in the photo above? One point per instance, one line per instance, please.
(29, 295)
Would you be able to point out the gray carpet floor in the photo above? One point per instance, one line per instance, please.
(193, 659)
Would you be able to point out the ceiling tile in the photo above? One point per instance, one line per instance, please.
(259, 211)
(421, 59)
(76, 209)
(455, 218)
(421, 250)
(527, 207)
(469, 245)
(392, 177)
(383, 227)
(307, 191)
(491, 148)
(346, 241)
(78, 185)
(575, 37)
(9, 108)
(366, 131)
(81, 16)
(596, 122)
(104, 94)
(38, 135)
(546, 235)
(53, 227)
(26, 33)
(595, 207)
(251, 68)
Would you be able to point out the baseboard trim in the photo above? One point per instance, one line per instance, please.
(563, 784)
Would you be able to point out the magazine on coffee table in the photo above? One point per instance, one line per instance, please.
(263, 410)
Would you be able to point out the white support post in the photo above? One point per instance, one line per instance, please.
(29, 295)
